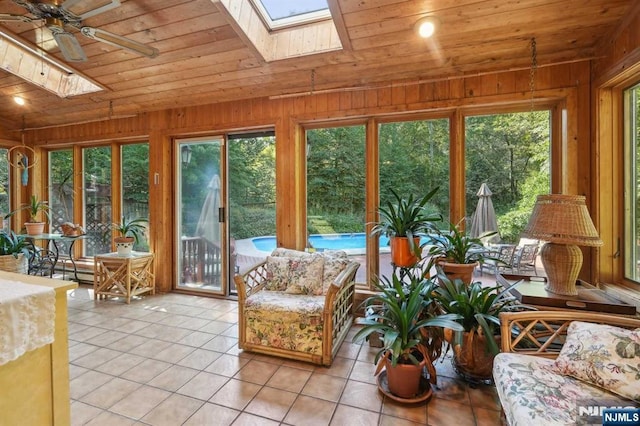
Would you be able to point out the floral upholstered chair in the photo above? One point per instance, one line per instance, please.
(297, 305)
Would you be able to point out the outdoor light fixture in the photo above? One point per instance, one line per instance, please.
(18, 100)
(562, 221)
(426, 26)
(186, 155)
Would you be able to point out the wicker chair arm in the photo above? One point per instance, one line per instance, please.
(251, 281)
(543, 333)
(348, 275)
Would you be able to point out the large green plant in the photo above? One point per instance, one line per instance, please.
(406, 217)
(476, 307)
(13, 244)
(34, 206)
(456, 246)
(134, 228)
(402, 316)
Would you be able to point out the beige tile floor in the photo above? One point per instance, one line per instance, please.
(173, 360)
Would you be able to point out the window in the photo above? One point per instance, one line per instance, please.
(61, 193)
(279, 14)
(336, 191)
(135, 185)
(414, 159)
(632, 183)
(5, 200)
(97, 199)
(510, 153)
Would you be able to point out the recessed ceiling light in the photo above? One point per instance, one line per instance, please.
(426, 26)
(18, 100)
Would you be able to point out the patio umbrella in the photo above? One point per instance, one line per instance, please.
(484, 218)
(208, 224)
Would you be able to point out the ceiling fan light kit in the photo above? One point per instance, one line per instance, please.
(58, 16)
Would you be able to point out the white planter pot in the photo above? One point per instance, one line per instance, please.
(124, 248)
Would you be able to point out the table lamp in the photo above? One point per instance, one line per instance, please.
(562, 221)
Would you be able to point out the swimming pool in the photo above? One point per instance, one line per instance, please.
(354, 243)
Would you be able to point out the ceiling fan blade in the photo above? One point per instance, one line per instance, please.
(119, 41)
(68, 44)
(84, 9)
(8, 17)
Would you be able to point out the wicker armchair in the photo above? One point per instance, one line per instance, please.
(303, 327)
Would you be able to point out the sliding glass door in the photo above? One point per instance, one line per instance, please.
(200, 215)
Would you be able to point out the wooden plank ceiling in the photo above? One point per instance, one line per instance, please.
(203, 58)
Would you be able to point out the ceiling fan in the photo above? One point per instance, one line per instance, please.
(59, 15)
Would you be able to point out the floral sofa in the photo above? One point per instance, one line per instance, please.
(297, 305)
(557, 367)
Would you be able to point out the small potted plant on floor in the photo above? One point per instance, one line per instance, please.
(403, 221)
(455, 252)
(34, 226)
(402, 316)
(478, 309)
(130, 230)
(14, 252)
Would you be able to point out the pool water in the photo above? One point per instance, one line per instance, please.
(354, 243)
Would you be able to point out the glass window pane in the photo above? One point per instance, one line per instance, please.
(200, 231)
(414, 159)
(336, 192)
(5, 199)
(97, 199)
(510, 153)
(135, 186)
(252, 200)
(632, 184)
(61, 194)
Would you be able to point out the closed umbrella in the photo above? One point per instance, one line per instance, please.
(208, 224)
(484, 218)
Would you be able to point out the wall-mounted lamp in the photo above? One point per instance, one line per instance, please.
(186, 155)
(427, 26)
(18, 100)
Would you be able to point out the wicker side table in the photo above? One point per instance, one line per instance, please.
(123, 276)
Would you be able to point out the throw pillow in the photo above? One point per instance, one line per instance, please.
(305, 275)
(332, 268)
(278, 273)
(602, 355)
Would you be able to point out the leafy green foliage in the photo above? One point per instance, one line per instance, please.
(456, 246)
(33, 207)
(400, 313)
(13, 244)
(478, 308)
(131, 228)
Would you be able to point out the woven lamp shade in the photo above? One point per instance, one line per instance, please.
(562, 221)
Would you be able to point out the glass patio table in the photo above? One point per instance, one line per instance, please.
(52, 245)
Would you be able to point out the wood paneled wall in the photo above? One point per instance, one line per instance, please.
(565, 88)
(618, 68)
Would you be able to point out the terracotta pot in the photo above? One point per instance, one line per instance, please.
(401, 253)
(463, 271)
(404, 379)
(34, 228)
(472, 358)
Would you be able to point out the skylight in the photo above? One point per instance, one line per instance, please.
(279, 14)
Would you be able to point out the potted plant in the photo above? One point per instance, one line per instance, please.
(455, 252)
(402, 316)
(478, 309)
(130, 230)
(34, 207)
(403, 221)
(14, 251)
